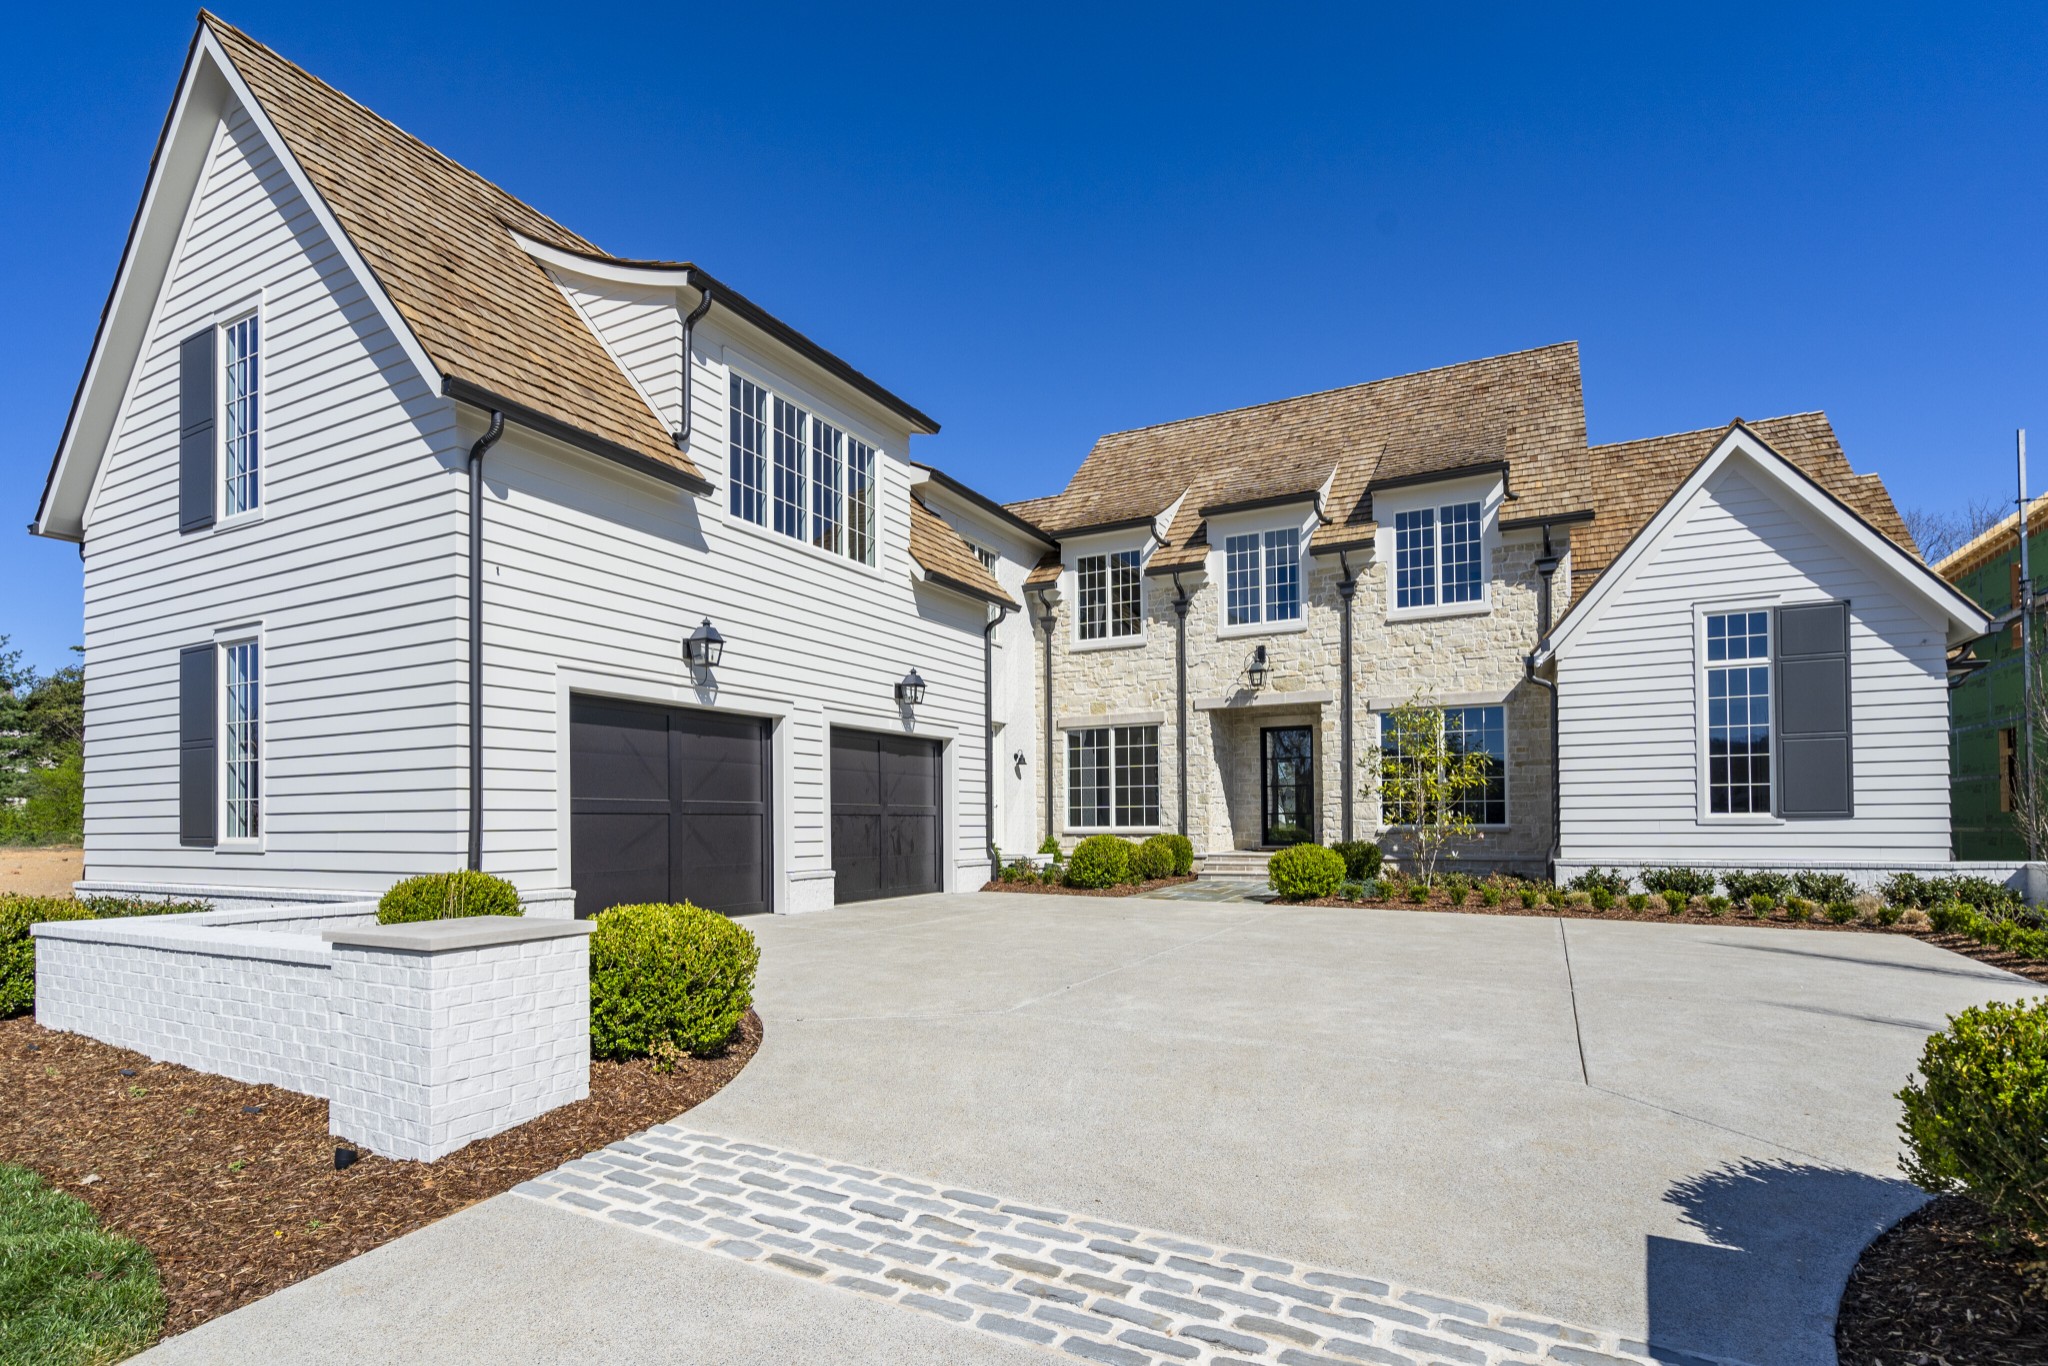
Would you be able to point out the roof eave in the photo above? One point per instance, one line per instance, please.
(988, 505)
(519, 414)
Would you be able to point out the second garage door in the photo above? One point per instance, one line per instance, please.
(667, 804)
(885, 815)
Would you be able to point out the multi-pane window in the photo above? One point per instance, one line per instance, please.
(827, 457)
(789, 468)
(241, 726)
(242, 424)
(1438, 556)
(1108, 589)
(749, 450)
(805, 477)
(1467, 730)
(1113, 777)
(860, 500)
(1262, 575)
(1739, 713)
(985, 555)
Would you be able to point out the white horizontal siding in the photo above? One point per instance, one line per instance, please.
(354, 570)
(643, 330)
(1628, 703)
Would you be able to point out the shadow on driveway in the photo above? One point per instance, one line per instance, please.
(1783, 1238)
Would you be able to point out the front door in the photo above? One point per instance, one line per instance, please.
(1287, 784)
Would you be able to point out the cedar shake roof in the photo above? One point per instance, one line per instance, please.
(1631, 480)
(439, 239)
(1523, 408)
(1992, 542)
(947, 559)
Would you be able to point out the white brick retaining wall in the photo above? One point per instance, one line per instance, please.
(2031, 879)
(422, 1037)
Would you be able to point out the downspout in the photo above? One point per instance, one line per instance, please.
(476, 637)
(690, 331)
(1546, 565)
(1180, 695)
(1347, 589)
(988, 738)
(1046, 616)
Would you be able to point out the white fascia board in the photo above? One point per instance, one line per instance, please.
(1965, 619)
(207, 84)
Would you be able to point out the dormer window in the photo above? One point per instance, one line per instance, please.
(1107, 587)
(1439, 556)
(1262, 572)
(807, 478)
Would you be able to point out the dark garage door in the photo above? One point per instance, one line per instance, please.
(885, 815)
(667, 804)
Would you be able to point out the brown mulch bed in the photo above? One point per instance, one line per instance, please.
(233, 1187)
(1126, 889)
(1932, 1292)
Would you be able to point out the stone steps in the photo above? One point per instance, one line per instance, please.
(1235, 865)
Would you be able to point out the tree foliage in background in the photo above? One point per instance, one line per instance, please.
(42, 752)
(1940, 533)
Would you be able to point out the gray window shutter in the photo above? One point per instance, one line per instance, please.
(198, 373)
(1815, 756)
(196, 752)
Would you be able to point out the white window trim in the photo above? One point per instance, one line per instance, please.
(1507, 767)
(245, 634)
(1071, 591)
(1067, 826)
(1218, 572)
(1487, 491)
(248, 306)
(1703, 796)
(765, 529)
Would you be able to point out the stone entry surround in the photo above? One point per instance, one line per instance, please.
(1099, 1291)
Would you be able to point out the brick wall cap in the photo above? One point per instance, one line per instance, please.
(467, 932)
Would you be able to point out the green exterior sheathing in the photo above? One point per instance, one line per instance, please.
(1983, 706)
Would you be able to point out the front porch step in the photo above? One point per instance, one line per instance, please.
(1235, 865)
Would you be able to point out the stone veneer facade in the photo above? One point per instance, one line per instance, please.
(1451, 657)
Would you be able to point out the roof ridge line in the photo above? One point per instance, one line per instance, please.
(208, 17)
(1708, 431)
(1340, 389)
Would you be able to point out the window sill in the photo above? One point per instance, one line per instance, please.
(1711, 821)
(238, 847)
(240, 519)
(1086, 830)
(1263, 628)
(1462, 609)
(1112, 643)
(1475, 830)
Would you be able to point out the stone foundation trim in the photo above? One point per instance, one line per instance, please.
(1245, 700)
(1489, 697)
(1111, 718)
(1100, 1291)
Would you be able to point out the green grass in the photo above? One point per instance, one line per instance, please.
(70, 1292)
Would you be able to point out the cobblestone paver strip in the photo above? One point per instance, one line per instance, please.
(1098, 1291)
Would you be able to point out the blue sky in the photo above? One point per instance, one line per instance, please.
(1041, 224)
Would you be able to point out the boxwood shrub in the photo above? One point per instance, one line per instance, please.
(1687, 882)
(1303, 872)
(1976, 1119)
(1749, 886)
(1826, 888)
(675, 974)
(446, 896)
(18, 947)
(1362, 859)
(1154, 858)
(1099, 861)
(1610, 880)
(1183, 854)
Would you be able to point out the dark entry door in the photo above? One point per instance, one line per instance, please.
(885, 815)
(667, 804)
(1287, 783)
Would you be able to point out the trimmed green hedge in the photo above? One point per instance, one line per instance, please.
(677, 974)
(1099, 861)
(1976, 1118)
(1362, 859)
(1154, 858)
(447, 896)
(1303, 872)
(18, 947)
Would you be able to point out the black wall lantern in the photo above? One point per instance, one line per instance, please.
(910, 691)
(1255, 670)
(705, 647)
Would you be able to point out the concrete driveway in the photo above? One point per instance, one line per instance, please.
(1679, 1135)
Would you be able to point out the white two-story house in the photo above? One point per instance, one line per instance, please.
(420, 533)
